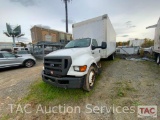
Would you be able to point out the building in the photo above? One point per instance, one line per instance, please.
(8, 45)
(40, 33)
(136, 42)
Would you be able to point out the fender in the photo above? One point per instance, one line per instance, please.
(85, 59)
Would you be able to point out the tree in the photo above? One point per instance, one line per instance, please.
(122, 43)
(147, 43)
(119, 44)
(22, 44)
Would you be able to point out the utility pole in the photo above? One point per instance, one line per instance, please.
(66, 11)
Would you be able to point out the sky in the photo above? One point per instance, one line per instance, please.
(129, 17)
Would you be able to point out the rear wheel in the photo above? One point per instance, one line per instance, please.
(90, 79)
(29, 63)
(111, 57)
(158, 59)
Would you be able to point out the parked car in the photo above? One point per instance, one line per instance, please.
(146, 51)
(9, 60)
(6, 49)
(23, 52)
(16, 49)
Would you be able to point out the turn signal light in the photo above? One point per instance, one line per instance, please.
(82, 68)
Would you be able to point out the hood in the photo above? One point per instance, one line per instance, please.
(69, 52)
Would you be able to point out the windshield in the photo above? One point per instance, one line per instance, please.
(85, 42)
(22, 52)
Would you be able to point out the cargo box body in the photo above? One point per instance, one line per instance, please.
(99, 28)
(157, 38)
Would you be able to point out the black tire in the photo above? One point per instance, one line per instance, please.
(111, 57)
(29, 63)
(89, 79)
(158, 59)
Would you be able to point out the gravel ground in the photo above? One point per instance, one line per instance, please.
(121, 83)
(14, 83)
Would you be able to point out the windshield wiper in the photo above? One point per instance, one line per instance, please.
(73, 47)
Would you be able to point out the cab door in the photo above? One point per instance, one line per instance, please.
(2, 61)
(11, 59)
(96, 52)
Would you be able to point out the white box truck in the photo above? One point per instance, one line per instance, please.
(77, 65)
(156, 49)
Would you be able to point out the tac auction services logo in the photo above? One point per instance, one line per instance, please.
(147, 111)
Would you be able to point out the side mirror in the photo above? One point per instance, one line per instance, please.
(17, 56)
(104, 45)
(93, 47)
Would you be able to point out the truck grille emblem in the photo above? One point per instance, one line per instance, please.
(52, 65)
(51, 72)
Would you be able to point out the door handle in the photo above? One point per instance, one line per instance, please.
(92, 52)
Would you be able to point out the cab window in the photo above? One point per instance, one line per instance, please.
(1, 56)
(94, 43)
(23, 52)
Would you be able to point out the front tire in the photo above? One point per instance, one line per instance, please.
(89, 79)
(29, 63)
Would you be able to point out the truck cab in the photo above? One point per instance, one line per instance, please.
(75, 66)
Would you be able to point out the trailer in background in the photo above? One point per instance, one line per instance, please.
(156, 49)
(127, 50)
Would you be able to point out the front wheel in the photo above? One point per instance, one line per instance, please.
(90, 79)
(29, 63)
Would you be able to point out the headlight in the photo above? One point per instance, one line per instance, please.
(80, 68)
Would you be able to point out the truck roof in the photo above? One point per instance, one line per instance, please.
(105, 16)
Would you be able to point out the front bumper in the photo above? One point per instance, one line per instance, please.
(64, 82)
